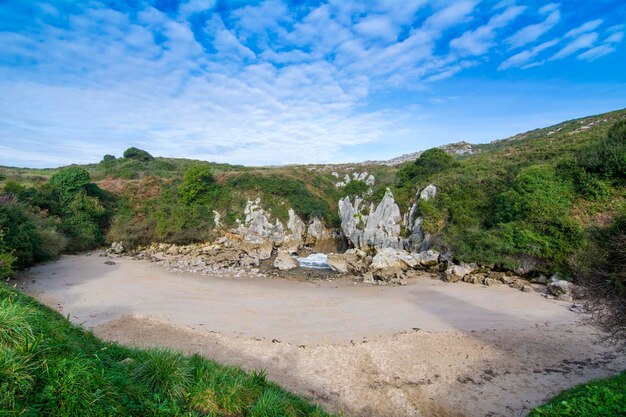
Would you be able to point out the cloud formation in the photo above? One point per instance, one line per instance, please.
(235, 82)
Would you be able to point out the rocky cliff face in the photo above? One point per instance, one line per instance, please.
(373, 229)
(377, 227)
(258, 227)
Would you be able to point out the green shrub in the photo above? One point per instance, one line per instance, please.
(608, 157)
(354, 188)
(197, 183)
(430, 162)
(70, 181)
(164, 372)
(137, 154)
(82, 232)
(20, 235)
(108, 157)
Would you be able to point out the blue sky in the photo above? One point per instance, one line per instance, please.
(275, 82)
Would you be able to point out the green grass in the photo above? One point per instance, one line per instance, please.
(600, 398)
(49, 367)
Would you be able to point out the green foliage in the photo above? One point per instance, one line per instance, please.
(608, 157)
(430, 162)
(20, 235)
(292, 190)
(70, 181)
(164, 372)
(197, 184)
(354, 188)
(137, 154)
(108, 157)
(6, 259)
(49, 367)
(600, 398)
(533, 215)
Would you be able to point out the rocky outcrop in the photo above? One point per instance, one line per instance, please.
(561, 289)
(353, 261)
(285, 262)
(377, 230)
(418, 240)
(258, 227)
(456, 273)
(363, 176)
(116, 248)
(377, 227)
(202, 258)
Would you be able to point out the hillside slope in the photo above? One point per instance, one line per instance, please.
(526, 197)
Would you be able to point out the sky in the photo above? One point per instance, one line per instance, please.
(279, 82)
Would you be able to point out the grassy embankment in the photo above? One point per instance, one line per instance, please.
(599, 398)
(50, 367)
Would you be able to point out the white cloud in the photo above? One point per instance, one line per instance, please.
(377, 26)
(520, 59)
(455, 14)
(190, 7)
(615, 38)
(479, 41)
(595, 53)
(533, 32)
(581, 42)
(587, 27)
(213, 84)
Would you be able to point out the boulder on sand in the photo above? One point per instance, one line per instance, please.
(285, 262)
(456, 273)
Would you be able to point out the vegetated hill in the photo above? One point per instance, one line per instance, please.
(533, 195)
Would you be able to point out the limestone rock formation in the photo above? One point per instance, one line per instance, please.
(418, 240)
(377, 230)
(258, 227)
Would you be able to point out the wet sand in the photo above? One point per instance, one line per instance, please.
(426, 349)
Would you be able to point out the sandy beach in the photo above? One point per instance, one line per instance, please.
(425, 349)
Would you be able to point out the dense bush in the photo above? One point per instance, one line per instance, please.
(6, 259)
(294, 191)
(197, 183)
(137, 154)
(354, 188)
(608, 157)
(430, 162)
(69, 182)
(20, 235)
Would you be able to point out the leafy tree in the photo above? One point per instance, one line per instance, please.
(197, 182)
(108, 158)
(137, 154)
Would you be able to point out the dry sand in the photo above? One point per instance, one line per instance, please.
(427, 349)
